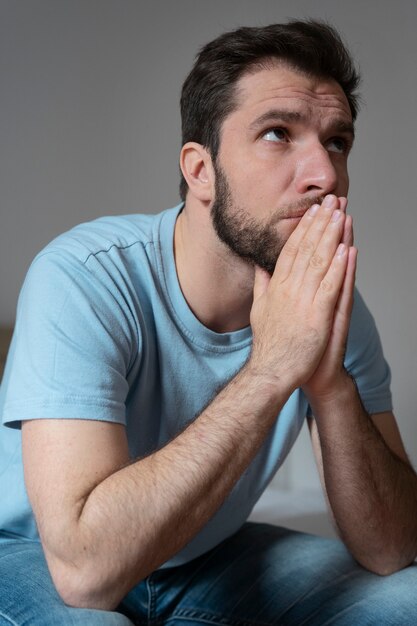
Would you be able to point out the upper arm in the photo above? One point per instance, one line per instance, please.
(74, 347)
(64, 460)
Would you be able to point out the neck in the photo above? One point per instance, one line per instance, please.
(216, 284)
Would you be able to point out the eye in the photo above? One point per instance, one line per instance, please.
(338, 144)
(276, 135)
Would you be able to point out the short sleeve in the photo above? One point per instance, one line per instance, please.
(72, 345)
(365, 359)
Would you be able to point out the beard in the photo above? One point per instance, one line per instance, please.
(257, 243)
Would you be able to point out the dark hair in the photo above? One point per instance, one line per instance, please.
(208, 94)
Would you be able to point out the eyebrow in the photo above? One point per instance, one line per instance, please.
(277, 115)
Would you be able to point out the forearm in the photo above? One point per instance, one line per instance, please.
(372, 492)
(142, 515)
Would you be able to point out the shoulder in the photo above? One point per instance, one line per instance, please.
(92, 269)
(105, 247)
(102, 235)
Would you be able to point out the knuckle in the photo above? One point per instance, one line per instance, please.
(290, 248)
(326, 286)
(323, 304)
(306, 246)
(317, 261)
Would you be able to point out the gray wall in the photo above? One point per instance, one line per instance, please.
(89, 125)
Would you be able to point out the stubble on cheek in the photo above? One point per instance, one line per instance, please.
(259, 243)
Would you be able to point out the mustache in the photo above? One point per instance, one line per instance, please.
(296, 208)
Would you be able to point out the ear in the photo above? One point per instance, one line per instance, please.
(197, 169)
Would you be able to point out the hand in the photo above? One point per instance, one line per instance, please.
(331, 367)
(293, 311)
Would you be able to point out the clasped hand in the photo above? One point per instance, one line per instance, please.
(300, 315)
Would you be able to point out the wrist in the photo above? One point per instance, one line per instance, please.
(339, 391)
(269, 385)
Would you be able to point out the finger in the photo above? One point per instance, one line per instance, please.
(261, 282)
(317, 249)
(345, 302)
(347, 237)
(343, 203)
(329, 290)
(311, 237)
(336, 348)
(290, 249)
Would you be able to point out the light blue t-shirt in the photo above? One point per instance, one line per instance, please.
(103, 332)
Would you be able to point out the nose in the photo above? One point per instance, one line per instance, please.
(315, 171)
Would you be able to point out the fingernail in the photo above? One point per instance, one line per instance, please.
(328, 201)
(313, 209)
(335, 216)
(341, 249)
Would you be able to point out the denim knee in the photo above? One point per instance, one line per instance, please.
(28, 594)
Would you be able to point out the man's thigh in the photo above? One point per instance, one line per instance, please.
(28, 595)
(269, 575)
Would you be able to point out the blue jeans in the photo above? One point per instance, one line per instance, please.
(262, 575)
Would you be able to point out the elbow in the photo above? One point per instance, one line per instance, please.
(386, 564)
(382, 569)
(80, 589)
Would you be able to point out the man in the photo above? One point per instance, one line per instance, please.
(162, 367)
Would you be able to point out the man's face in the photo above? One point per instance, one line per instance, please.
(282, 149)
